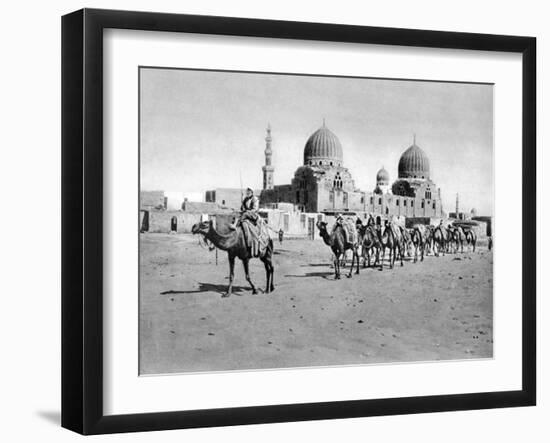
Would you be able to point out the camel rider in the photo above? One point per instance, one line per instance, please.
(250, 206)
(249, 221)
(370, 220)
(249, 209)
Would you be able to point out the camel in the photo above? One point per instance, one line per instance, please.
(369, 241)
(419, 239)
(458, 238)
(336, 241)
(429, 240)
(407, 241)
(391, 239)
(440, 238)
(471, 239)
(235, 244)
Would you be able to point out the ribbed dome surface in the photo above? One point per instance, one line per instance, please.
(382, 176)
(323, 147)
(414, 163)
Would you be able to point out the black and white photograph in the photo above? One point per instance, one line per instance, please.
(297, 221)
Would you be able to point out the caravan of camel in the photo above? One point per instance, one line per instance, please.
(370, 241)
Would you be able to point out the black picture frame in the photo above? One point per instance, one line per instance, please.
(82, 215)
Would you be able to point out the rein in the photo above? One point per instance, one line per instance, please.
(204, 243)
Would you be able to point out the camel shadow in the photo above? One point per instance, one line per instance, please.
(324, 275)
(208, 287)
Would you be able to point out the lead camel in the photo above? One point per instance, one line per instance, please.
(235, 244)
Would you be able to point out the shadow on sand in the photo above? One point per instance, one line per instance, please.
(280, 251)
(209, 287)
(324, 275)
(315, 265)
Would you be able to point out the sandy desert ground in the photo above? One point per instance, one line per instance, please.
(438, 309)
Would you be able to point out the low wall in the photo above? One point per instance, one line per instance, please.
(161, 221)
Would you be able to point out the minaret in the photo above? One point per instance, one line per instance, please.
(456, 205)
(268, 168)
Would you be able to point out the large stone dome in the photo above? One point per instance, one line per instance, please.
(323, 148)
(414, 163)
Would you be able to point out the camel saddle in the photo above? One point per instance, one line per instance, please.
(256, 236)
(350, 230)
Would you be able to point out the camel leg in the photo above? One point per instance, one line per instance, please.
(247, 276)
(269, 271)
(337, 266)
(231, 275)
(267, 275)
(357, 262)
(382, 259)
(352, 263)
(272, 272)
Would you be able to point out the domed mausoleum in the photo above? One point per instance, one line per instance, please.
(323, 184)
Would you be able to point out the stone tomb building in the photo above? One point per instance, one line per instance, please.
(324, 185)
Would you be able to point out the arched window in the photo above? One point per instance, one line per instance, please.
(337, 183)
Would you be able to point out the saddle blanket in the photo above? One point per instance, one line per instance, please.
(350, 230)
(256, 236)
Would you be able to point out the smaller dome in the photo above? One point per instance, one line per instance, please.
(382, 176)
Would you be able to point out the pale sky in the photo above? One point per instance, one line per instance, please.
(201, 129)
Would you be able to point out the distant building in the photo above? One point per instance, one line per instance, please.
(149, 200)
(323, 184)
(227, 197)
